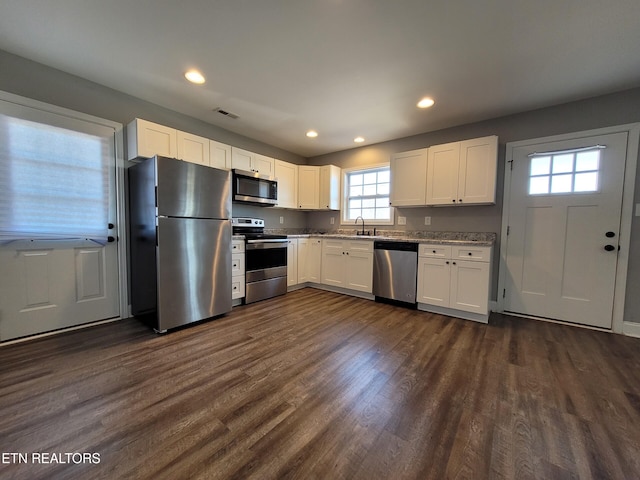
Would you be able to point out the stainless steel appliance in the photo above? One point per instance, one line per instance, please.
(265, 260)
(180, 232)
(395, 266)
(254, 188)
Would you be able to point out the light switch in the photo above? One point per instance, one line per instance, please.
(333, 220)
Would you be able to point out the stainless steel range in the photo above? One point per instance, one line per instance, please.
(265, 259)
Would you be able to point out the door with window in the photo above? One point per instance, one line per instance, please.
(58, 254)
(564, 214)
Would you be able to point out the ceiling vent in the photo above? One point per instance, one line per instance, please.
(225, 113)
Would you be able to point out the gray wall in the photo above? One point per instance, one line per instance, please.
(609, 110)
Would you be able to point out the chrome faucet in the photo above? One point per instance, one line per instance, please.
(356, 222)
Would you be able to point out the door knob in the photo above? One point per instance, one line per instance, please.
(610, 234)
(609, 248)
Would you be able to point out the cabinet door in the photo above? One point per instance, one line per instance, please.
(329, 187)
(478, 170)
(333, 262)
(470, 286)
(146, 139)
(292, 261)
(263, 165)
(287, 176)
(434, 275)
(359, 271)
(219, 155)
(409, 178)
(192, 148)
(303, 260)
(308, 187)
(442, 174)
(241, 159)
(314, 260)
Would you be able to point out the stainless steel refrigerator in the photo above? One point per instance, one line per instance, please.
(180, 241)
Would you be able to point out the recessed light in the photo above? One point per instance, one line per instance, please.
(358, 139)
(194, 76)
(426, 102)
(312, 134)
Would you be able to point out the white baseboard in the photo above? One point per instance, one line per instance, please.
(631, 329)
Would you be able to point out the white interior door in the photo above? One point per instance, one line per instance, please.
(52, 275)
(564, 223)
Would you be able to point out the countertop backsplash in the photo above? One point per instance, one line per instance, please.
(418, 234)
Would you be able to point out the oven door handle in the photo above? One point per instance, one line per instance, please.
(268, 240)
(260, 245)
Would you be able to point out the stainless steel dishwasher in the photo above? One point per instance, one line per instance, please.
(395, 266)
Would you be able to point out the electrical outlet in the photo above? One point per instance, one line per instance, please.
(427, 220)
(281, 220)
(332, 221)
(402, 220)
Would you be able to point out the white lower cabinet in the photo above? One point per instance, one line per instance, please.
(292, 261)
(455, 280)
(314, 260)
(348, 264)
(237, 269)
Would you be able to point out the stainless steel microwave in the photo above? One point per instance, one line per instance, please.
(254, 188)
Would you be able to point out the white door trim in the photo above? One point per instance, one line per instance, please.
(633, 130)
(122, 230)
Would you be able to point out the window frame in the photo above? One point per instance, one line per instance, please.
(344, 200)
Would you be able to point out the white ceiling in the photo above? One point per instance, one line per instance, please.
(342, 67)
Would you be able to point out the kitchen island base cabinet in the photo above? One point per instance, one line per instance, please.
(347, 264)
(454, 280)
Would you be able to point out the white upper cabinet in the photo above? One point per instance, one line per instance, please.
(219, 155)
(442, 174)
(287, 176)
(329, 187)
(146, 139)
(462, 173)
(308, 187)
(192, 148)
(478, 170)
(252, 162)
(409, 178)
(319, 187)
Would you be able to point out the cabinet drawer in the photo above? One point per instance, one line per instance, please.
(237, 287)
(478, 254)
(237, 264)
(237, 246)
(434, 251)
(359, 246)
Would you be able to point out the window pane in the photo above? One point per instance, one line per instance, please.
(587, 160)
(538, 185)
(370, 178)
(369, 213)
(563, 164)
(355, 203)
(561, 183)
(383, 213)
(355, 179)
(540, 165)
(383, 189)
(368, 203)
(382, 202)
(369, 190)
(355, 192)
(586, 182)
(354, 213)
(383, 176)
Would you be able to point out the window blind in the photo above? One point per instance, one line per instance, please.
(54, 181)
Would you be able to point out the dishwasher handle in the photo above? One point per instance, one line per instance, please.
(391, 245)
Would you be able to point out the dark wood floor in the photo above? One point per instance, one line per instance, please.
(316, 385)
